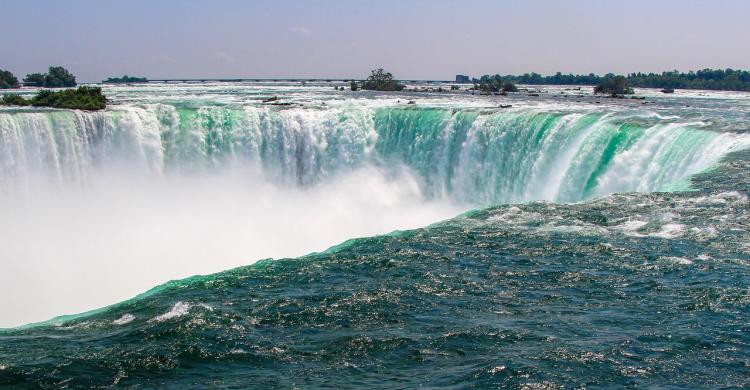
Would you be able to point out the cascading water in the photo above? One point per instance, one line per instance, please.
(477, 156)
(634, 289)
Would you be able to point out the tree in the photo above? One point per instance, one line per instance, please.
(59, 77)
(495, 84)
(508, 86)
(34, 79)
(125, 79)
(380, 80)
(8, 80)
(490, 83)
(614, 85)
(56, 77)
(716, 79)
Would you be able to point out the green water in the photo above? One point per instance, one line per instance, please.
(571, 268)
(472, 155)
(510, 296)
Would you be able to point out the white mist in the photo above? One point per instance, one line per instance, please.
(68, 250)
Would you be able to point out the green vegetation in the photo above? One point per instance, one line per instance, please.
(712, 79)
(8, 80)
(508, 86)
(34, 80)
(496, 83)
(83, 98)
(380, 80)
(616, 86)
(125, 79)
(13, 99)
(56, 77)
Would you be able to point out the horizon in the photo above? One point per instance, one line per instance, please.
(362, 78)
(375, 194)
(420, 41)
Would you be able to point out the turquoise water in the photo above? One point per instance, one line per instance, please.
(479, 156)
(629, 286)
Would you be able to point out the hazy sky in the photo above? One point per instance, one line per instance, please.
(429, 39)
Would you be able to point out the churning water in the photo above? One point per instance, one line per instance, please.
(582, 259)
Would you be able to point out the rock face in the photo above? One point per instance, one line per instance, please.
(667, 90)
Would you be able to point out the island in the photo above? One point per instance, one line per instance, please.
(82, 98)
(494, 84)
(616, 87)
(380, 80)
(125, 79)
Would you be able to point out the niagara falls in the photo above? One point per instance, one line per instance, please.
(271, 198)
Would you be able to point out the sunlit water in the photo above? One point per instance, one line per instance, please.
(585, 289)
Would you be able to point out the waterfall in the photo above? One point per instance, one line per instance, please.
(472, 155)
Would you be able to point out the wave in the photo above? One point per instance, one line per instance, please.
(498, 297)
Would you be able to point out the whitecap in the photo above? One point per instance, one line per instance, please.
(670, 230)
(126, 318)
(178, 310)
(630, 226)
(678, 260)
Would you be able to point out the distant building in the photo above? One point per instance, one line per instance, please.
(461, 78)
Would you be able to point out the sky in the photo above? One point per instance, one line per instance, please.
(414, 39)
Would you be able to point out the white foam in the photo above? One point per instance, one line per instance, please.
(126, 318)
(178, 310)
(670, 230)
(677, 260)
(631, 225)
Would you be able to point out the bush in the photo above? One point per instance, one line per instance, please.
(509, 87)
(380, 80)
(12, 99)
(495, 84)
(8, 80)
(83, 98)
(615, 86)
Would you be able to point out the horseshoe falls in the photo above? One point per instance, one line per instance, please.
(338, 238)
(475, 156)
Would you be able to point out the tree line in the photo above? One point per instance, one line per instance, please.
(710, 79)
(125, 79)
(56, 77)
